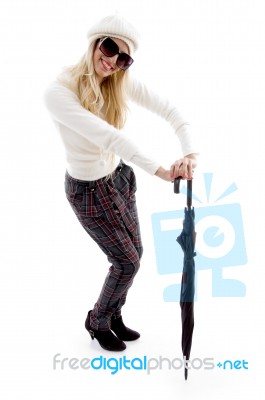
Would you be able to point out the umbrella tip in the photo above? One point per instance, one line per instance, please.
(186, 374)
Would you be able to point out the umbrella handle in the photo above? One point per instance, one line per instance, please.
(189, 190)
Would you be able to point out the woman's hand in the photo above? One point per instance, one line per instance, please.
(164, 174)
(183, 167)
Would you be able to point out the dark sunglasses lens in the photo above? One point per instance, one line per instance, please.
(124, 61)
(109, 48)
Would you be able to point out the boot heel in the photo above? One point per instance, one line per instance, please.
(92, 334)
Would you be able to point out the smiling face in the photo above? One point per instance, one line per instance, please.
(105, 66)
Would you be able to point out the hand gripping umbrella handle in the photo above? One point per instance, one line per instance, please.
(189, 190)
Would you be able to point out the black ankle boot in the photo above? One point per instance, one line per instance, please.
(122, 332)
(106, 339)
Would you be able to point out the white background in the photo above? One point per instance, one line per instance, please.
(207, 57)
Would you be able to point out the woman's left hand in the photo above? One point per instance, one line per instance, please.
(184, 167)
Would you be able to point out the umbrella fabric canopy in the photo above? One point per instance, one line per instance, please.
(187, 242)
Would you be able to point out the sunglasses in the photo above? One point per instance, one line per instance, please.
(110, 49)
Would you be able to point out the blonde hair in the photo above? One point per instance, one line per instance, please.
(108, 97)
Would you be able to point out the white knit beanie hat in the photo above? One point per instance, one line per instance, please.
(117, 27)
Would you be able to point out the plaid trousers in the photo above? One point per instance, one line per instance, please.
(106, 208)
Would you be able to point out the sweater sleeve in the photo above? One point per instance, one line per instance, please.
(66, 109)
(145, 97)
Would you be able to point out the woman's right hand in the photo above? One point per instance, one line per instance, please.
(164, 174)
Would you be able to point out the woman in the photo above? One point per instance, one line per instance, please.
(88, 106)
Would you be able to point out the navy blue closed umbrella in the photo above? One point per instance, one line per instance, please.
(187, 242)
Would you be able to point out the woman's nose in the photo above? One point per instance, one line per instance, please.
(113, 59)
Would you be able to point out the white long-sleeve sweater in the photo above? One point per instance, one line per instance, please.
(90, 142)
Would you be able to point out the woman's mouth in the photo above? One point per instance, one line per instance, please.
(106, 66)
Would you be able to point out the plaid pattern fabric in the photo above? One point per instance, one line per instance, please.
(106, 209)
